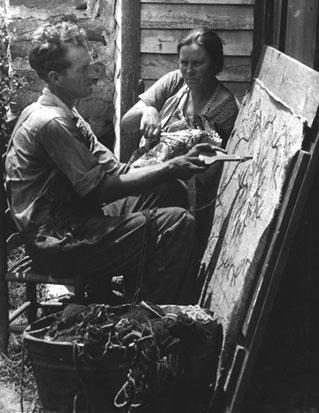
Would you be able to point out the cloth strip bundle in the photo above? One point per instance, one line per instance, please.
(153, 334)
(173, 144)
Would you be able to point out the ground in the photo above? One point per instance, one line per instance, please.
(9, 399)
(284, 379)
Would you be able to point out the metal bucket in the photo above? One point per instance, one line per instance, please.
(67, 385)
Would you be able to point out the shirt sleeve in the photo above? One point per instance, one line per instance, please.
(104, 156)
(162, 89)
(66, 149)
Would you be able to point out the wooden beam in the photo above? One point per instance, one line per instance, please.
(130, 68)
(279, 69)
(235, 42)
(4, 310)
(219, 16)
(260, 30)
(301, 34)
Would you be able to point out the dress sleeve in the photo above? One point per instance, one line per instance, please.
(222, 119)
(162, 89)
(66, 149)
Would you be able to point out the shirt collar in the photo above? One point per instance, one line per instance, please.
(50, 99)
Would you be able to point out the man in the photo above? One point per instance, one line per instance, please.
(59, 177)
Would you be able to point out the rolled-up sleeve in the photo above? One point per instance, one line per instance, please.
(162, 89)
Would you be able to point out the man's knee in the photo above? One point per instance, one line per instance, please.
(172, 193)
(178, 222)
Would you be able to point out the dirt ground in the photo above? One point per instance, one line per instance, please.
(9, 399)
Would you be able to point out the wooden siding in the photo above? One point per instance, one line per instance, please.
(301, 32)
(236, 43)
(249, 2)
(173, 16)
(164, 22)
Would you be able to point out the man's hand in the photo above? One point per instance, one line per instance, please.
(205, 148)
(185, 166)
(150, 125)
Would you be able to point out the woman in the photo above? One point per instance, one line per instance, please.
(188, 97)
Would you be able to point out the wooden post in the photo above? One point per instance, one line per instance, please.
(130, 69)
(302, 30)
(263, 29)
(4, 307)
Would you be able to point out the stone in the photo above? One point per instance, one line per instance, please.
(97, 18)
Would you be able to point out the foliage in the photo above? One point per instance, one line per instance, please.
(15, 368)
(9, 84)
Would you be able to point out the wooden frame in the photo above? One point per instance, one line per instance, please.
(130, 69)
(4, 315)
(291, 26)
(232, 386)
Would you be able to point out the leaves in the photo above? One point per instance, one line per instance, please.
(9, 84)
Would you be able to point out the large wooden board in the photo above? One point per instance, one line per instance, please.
(249, 196)
(175, 16)
(269, 127)
(235, 43)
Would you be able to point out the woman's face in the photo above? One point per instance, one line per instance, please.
(196, 66)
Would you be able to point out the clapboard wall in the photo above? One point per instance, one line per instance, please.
(148, 32)
(163, 23)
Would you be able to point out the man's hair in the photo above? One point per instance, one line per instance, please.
(210, 41)
(50, 46)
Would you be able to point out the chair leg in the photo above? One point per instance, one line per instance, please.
(31, 295)
(79, 290)
(4, 316)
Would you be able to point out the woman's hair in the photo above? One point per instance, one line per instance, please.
(210, 41)
(50, 45)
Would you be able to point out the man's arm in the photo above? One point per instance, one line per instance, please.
(112, 187)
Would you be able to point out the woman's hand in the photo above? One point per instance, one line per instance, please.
(150, 124)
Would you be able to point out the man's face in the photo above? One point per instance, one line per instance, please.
(74, 82)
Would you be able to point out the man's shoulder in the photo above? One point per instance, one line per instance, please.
(40, 115)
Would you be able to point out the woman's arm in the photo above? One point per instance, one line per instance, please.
(144, 118)
(144, 115)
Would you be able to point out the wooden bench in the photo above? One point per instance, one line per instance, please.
(21, 272)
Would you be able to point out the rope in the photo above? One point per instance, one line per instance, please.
(76, 359)
(146, 247)
(22, 375)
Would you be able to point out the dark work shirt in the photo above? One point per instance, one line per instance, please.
(54, 160)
